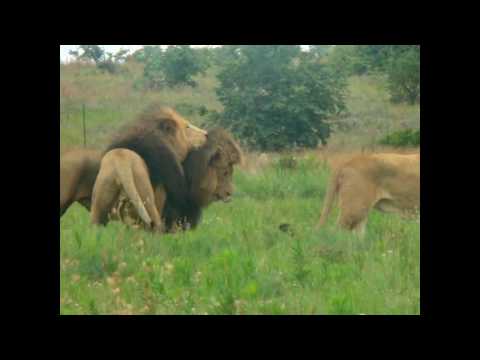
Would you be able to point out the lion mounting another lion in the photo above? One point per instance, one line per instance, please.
(386, 182)
(159, 134)
(208, 170)
(119, 183)
(144, 160)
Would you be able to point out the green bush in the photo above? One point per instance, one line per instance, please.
(409, 137)
(277, 97)
(175, 66)
(403, 73)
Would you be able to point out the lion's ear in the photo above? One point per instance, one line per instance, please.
(168, 126)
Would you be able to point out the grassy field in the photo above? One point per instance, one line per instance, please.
(237, 261)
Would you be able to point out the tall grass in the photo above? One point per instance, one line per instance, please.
(239, 262)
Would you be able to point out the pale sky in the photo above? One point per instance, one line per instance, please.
(64, 49)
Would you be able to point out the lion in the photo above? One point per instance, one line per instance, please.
(387, 182)
(209, 173)
(78, 171)
(208, 170)
(143, 159)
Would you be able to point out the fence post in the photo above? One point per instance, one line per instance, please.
(84, 127)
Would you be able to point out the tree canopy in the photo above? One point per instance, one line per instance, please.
(276, 96)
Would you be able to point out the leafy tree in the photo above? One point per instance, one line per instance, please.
(374, 56)
(403, 71)
(153, 72)
(346, 59)
(103, 60)
(140, 55)
(400, 64)
(89, 52)
(120, 56)
(320, 50)
(223, 54)
(175, 66)
(204, 55)
(181, 63)
(275, 96)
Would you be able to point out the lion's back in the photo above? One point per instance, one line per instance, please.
(393, 176)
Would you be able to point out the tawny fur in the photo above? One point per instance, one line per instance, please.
(78, 171)
(386, 182)
(159, 137)
(124, 170)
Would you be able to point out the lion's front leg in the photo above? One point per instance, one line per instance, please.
(160, 201)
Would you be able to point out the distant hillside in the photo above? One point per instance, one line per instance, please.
(371, 115)
(113, 100)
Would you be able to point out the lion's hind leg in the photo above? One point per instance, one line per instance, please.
(105, 194)
(148, 196)
(68, 188)
(356, 198)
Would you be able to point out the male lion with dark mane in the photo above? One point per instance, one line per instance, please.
(386, 182)
(209, 173)
(208, 170)
(144, 157)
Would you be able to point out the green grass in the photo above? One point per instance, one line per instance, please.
(238, 262)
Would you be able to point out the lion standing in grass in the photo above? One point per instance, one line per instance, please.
(386, 182)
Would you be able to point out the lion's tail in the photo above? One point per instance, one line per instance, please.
(332, 191)
(125, 173)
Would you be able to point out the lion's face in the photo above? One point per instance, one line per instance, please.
(195, 138)
(180, 133)
(217, 184)
(224, 189)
